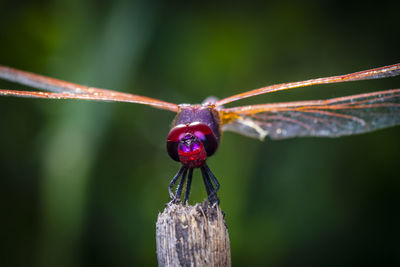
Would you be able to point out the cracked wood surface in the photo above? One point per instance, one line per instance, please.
(192, 236)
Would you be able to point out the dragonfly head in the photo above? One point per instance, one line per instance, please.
(191, 151)
(191, 144)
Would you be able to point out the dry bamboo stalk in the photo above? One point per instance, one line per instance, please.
(192, 236)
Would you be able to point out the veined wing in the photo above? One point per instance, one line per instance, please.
(377, 73)
(66, 90)
(327, 118)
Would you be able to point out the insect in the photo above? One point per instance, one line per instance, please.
(196, 130)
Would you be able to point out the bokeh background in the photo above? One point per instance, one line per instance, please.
(81, 183)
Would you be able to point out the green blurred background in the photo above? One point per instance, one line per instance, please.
(81, 183)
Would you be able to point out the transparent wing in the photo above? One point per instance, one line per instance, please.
(377, 73)
(66, 90)
(329, 118)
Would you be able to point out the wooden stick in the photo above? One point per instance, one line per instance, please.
(192, 236)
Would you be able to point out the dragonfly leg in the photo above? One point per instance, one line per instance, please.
(189, 183)
(211, 192)
(210, 174)
(173, 181)
(180, 187)
(206, 181)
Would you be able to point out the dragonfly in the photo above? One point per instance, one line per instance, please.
(196, 130)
